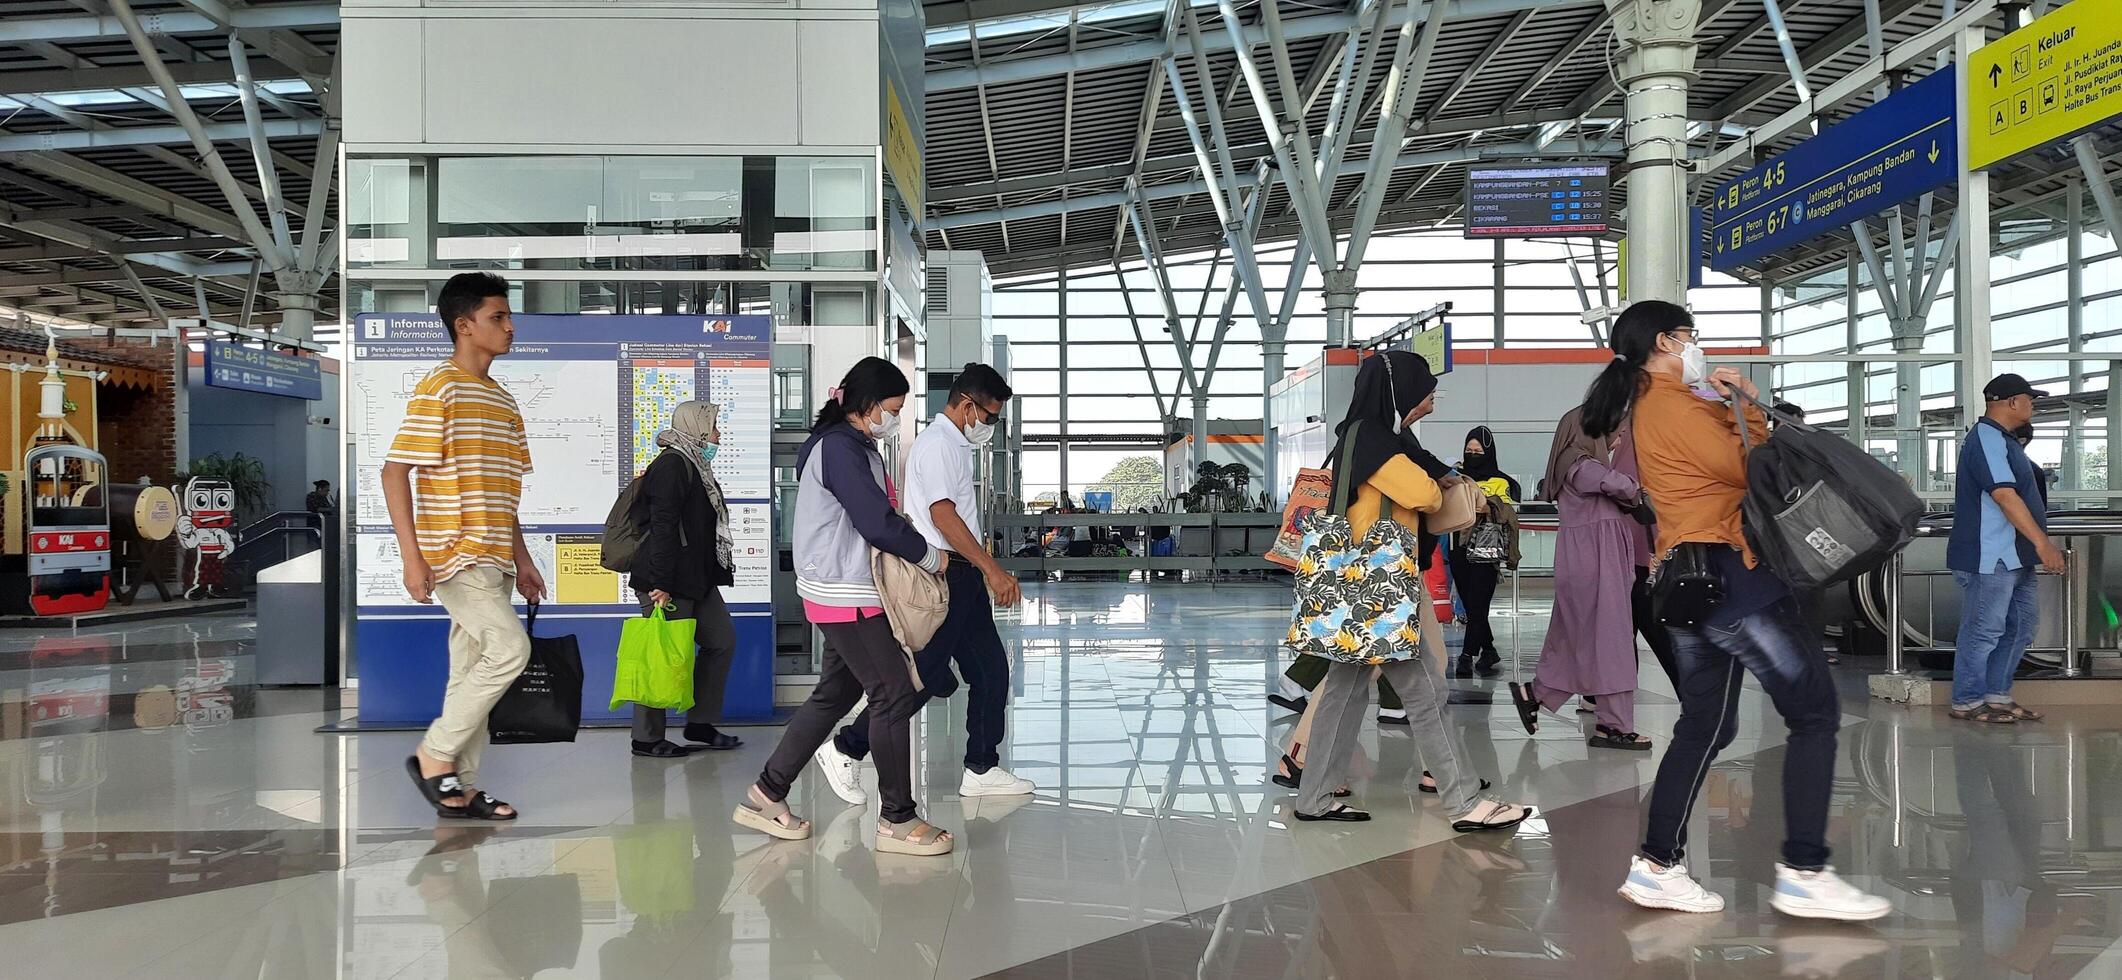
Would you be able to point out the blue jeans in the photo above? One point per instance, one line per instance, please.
(1998, 611)
(1771, 644)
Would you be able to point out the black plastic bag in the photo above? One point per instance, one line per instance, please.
(544, 704)
(1819, 509)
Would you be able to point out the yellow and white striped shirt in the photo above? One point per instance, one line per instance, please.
(464, 438)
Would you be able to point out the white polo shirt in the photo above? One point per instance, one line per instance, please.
(940, 467)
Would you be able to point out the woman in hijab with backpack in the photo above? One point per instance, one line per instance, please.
(684, 564)
(1379, 468)
(1475, 578)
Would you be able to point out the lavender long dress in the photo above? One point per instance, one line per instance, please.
(1591, 640)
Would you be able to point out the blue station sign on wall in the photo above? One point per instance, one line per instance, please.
(263, 371)
(1892, 151)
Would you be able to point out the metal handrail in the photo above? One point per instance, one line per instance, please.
(2065, 525)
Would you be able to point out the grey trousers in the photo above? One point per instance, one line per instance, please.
(715, 638)
(1343, 701)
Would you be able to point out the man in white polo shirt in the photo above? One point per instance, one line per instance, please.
(943, 504)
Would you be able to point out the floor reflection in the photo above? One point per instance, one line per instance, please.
(152, 793)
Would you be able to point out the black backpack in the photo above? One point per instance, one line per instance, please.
(1819, 509)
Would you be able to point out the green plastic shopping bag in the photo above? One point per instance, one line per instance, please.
(655, 662)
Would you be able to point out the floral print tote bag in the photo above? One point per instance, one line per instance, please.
(1357, 599)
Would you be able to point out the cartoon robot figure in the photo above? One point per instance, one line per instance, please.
(206, 511)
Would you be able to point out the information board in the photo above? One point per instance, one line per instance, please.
(594, 391)
(266, 372)
(2045, 81)
(1433, 344)
(1888, 153)
(1520, 201)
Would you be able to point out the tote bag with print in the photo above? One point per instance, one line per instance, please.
(1358, 600)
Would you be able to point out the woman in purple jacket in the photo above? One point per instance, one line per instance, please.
(1601, 559)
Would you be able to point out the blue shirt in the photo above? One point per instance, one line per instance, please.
(1983, 538)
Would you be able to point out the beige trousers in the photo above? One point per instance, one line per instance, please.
(487, 649)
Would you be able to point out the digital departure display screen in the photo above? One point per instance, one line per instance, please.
(1521, 201)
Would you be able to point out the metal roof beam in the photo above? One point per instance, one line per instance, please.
(16, 30)
(1158, 192)
(1830, 46)
(143, 246)
(91, 277)
(110, 183)
(122, 77)
(151, 135)
(1149, 49)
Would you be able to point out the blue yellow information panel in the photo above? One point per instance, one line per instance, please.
(1892, 151)
(2045, 81)
(263, 371)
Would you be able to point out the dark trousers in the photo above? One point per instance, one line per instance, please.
(861, 658)
(1477, 589)
(1644, 613)
(968, 639)
(715, 636)
(1770, 644)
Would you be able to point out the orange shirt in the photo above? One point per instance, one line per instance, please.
(1688, 450)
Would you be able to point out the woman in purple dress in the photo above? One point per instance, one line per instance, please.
(1601, 555)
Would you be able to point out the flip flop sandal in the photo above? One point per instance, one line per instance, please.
(481, 806)
(1468, 826)
(434, 788)
(1340, 814)
(1294, 778)
(766, 819)
(916, 837)
(720, 742)
(2021, 712)
(1985, 715)
(1521, 696)
(1584, 704)
(1432, 790)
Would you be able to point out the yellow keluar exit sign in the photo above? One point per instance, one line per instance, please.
(2044, 81)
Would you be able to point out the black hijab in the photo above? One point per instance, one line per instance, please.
(1482, 466)
(1388, 386)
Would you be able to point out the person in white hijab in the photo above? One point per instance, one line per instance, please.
(684, 563)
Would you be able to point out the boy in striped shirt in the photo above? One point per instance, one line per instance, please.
(453, 482)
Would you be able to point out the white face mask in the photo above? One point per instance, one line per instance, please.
(979, 433)
(886, 428)
(1694, 365)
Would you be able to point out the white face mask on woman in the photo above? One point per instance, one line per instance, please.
(885, 428)
(1694, 365)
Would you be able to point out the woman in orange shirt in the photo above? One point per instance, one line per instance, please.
(1694, 466)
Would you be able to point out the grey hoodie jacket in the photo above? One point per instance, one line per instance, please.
(842, 512)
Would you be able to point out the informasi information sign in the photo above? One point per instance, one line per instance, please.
(2045, 81)
(1890, 152)
(594, 391)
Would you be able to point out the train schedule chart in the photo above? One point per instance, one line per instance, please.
(594, 391)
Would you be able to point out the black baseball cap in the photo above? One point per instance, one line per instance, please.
(2010, 386)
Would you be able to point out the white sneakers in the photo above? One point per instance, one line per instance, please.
(842, 772)
(1818, 894)
(994, 782)
(1823, 894)
(1668, 888)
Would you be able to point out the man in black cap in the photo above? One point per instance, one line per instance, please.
(1999, 535)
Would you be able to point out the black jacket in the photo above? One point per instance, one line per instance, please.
(675, 502)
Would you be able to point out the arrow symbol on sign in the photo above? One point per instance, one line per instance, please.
(1934, 151)
(1995, 72)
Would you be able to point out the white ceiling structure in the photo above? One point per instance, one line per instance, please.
(119, 202)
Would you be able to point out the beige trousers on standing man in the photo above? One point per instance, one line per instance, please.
(487, 649)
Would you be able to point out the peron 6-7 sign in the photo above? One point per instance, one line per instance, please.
(1890, 152)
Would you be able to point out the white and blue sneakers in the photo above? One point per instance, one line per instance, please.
(1667, 888)
(1823, 894)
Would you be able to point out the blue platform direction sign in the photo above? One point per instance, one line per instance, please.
(1890, 152)
(263, 371)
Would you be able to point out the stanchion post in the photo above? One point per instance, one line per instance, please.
(1893, 615)
(2073, 581)
(1514, 614)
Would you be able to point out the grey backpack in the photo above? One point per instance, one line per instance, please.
(624, 530)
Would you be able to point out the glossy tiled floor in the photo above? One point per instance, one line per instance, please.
(161, 817)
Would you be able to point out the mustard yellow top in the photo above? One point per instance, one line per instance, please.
(1411, 491)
